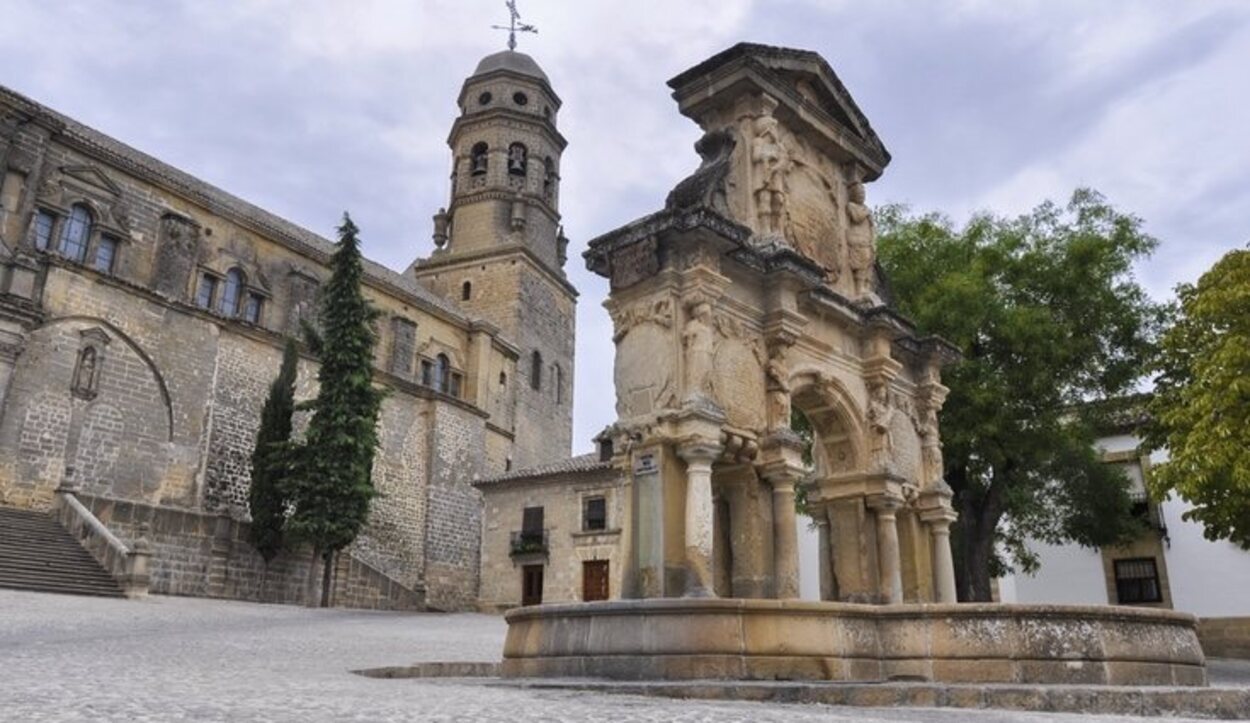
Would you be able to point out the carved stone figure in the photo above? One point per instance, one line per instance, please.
(441, 224)
(706, 186)
(86, 374)
(860, 240)
(931, 447)
(778, 375)
(880, 418)
(562, 246)
(518, 213)
(699, 344)
(771, 161)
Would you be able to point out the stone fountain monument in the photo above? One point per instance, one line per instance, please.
(756, 291)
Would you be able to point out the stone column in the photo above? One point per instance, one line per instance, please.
(943, 562)
(824, 556)
(699, 517)
(785, 538)
(888, 562)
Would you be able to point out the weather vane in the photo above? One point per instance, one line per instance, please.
(513, 27)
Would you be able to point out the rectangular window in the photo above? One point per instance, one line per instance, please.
(44, 222)
(105, 253)
(1137, 581)
(456, 381)
(532, 520)
(207, 291)
(427, 373)
(251, 309)
(595, 513)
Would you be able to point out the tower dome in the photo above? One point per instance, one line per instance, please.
(510, 60)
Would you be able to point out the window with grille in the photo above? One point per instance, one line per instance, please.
(232, 293)
(207, 292)
(76, 232)
(595, 515)
(251, 310)
(44, 222)
(1137, 581)
(105, 253)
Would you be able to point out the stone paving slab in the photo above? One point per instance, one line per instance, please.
(1210, 703)
(67, 658)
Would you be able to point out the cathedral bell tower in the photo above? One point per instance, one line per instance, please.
(499, 247)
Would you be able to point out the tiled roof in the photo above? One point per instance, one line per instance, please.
(140, 164)
(572, 465)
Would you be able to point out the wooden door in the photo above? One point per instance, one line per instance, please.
(594, 580)
(531, 585)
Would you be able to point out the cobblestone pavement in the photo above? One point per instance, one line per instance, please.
(66, 658)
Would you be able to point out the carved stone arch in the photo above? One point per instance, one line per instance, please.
(134, 346)
(837, 420)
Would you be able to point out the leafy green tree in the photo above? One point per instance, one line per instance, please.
(1201, 408)
(332, 486)
(1049, 317)
(267, 498)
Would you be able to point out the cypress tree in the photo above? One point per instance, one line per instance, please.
(267, 497)
(332, 487)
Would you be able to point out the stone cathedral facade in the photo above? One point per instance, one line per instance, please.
(143, 313)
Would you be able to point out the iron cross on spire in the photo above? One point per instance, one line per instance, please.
(513, 27)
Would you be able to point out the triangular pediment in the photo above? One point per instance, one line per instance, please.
(92, 176)
(801, 80)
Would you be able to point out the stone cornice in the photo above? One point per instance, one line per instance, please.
(468, 258)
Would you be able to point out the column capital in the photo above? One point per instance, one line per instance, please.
(939, 518)
(699, 451)
(884, 503)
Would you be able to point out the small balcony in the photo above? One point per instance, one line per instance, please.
(528, 542)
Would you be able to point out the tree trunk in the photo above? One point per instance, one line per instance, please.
(310, 596)
(326, 579)
(978, 521)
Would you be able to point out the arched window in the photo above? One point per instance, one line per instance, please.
(466, 291)
(232, 292)
(503, 379)
(442, 373)
(517, 159)
(478, 159)
(76, 232)
(549, 175)
(536, 370)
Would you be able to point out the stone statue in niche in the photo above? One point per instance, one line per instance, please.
(87, 373)
(771, 162)
(778, 374)
(880, 417)
(860, 240)
(699, 343)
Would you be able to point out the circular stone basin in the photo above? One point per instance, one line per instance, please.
(691, 638)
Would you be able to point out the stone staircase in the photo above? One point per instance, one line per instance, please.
(36, 553)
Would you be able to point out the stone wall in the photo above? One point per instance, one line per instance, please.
(1225, 637)
(453, 528)
(208, 555)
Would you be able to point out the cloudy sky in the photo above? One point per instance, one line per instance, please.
(310, 107)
